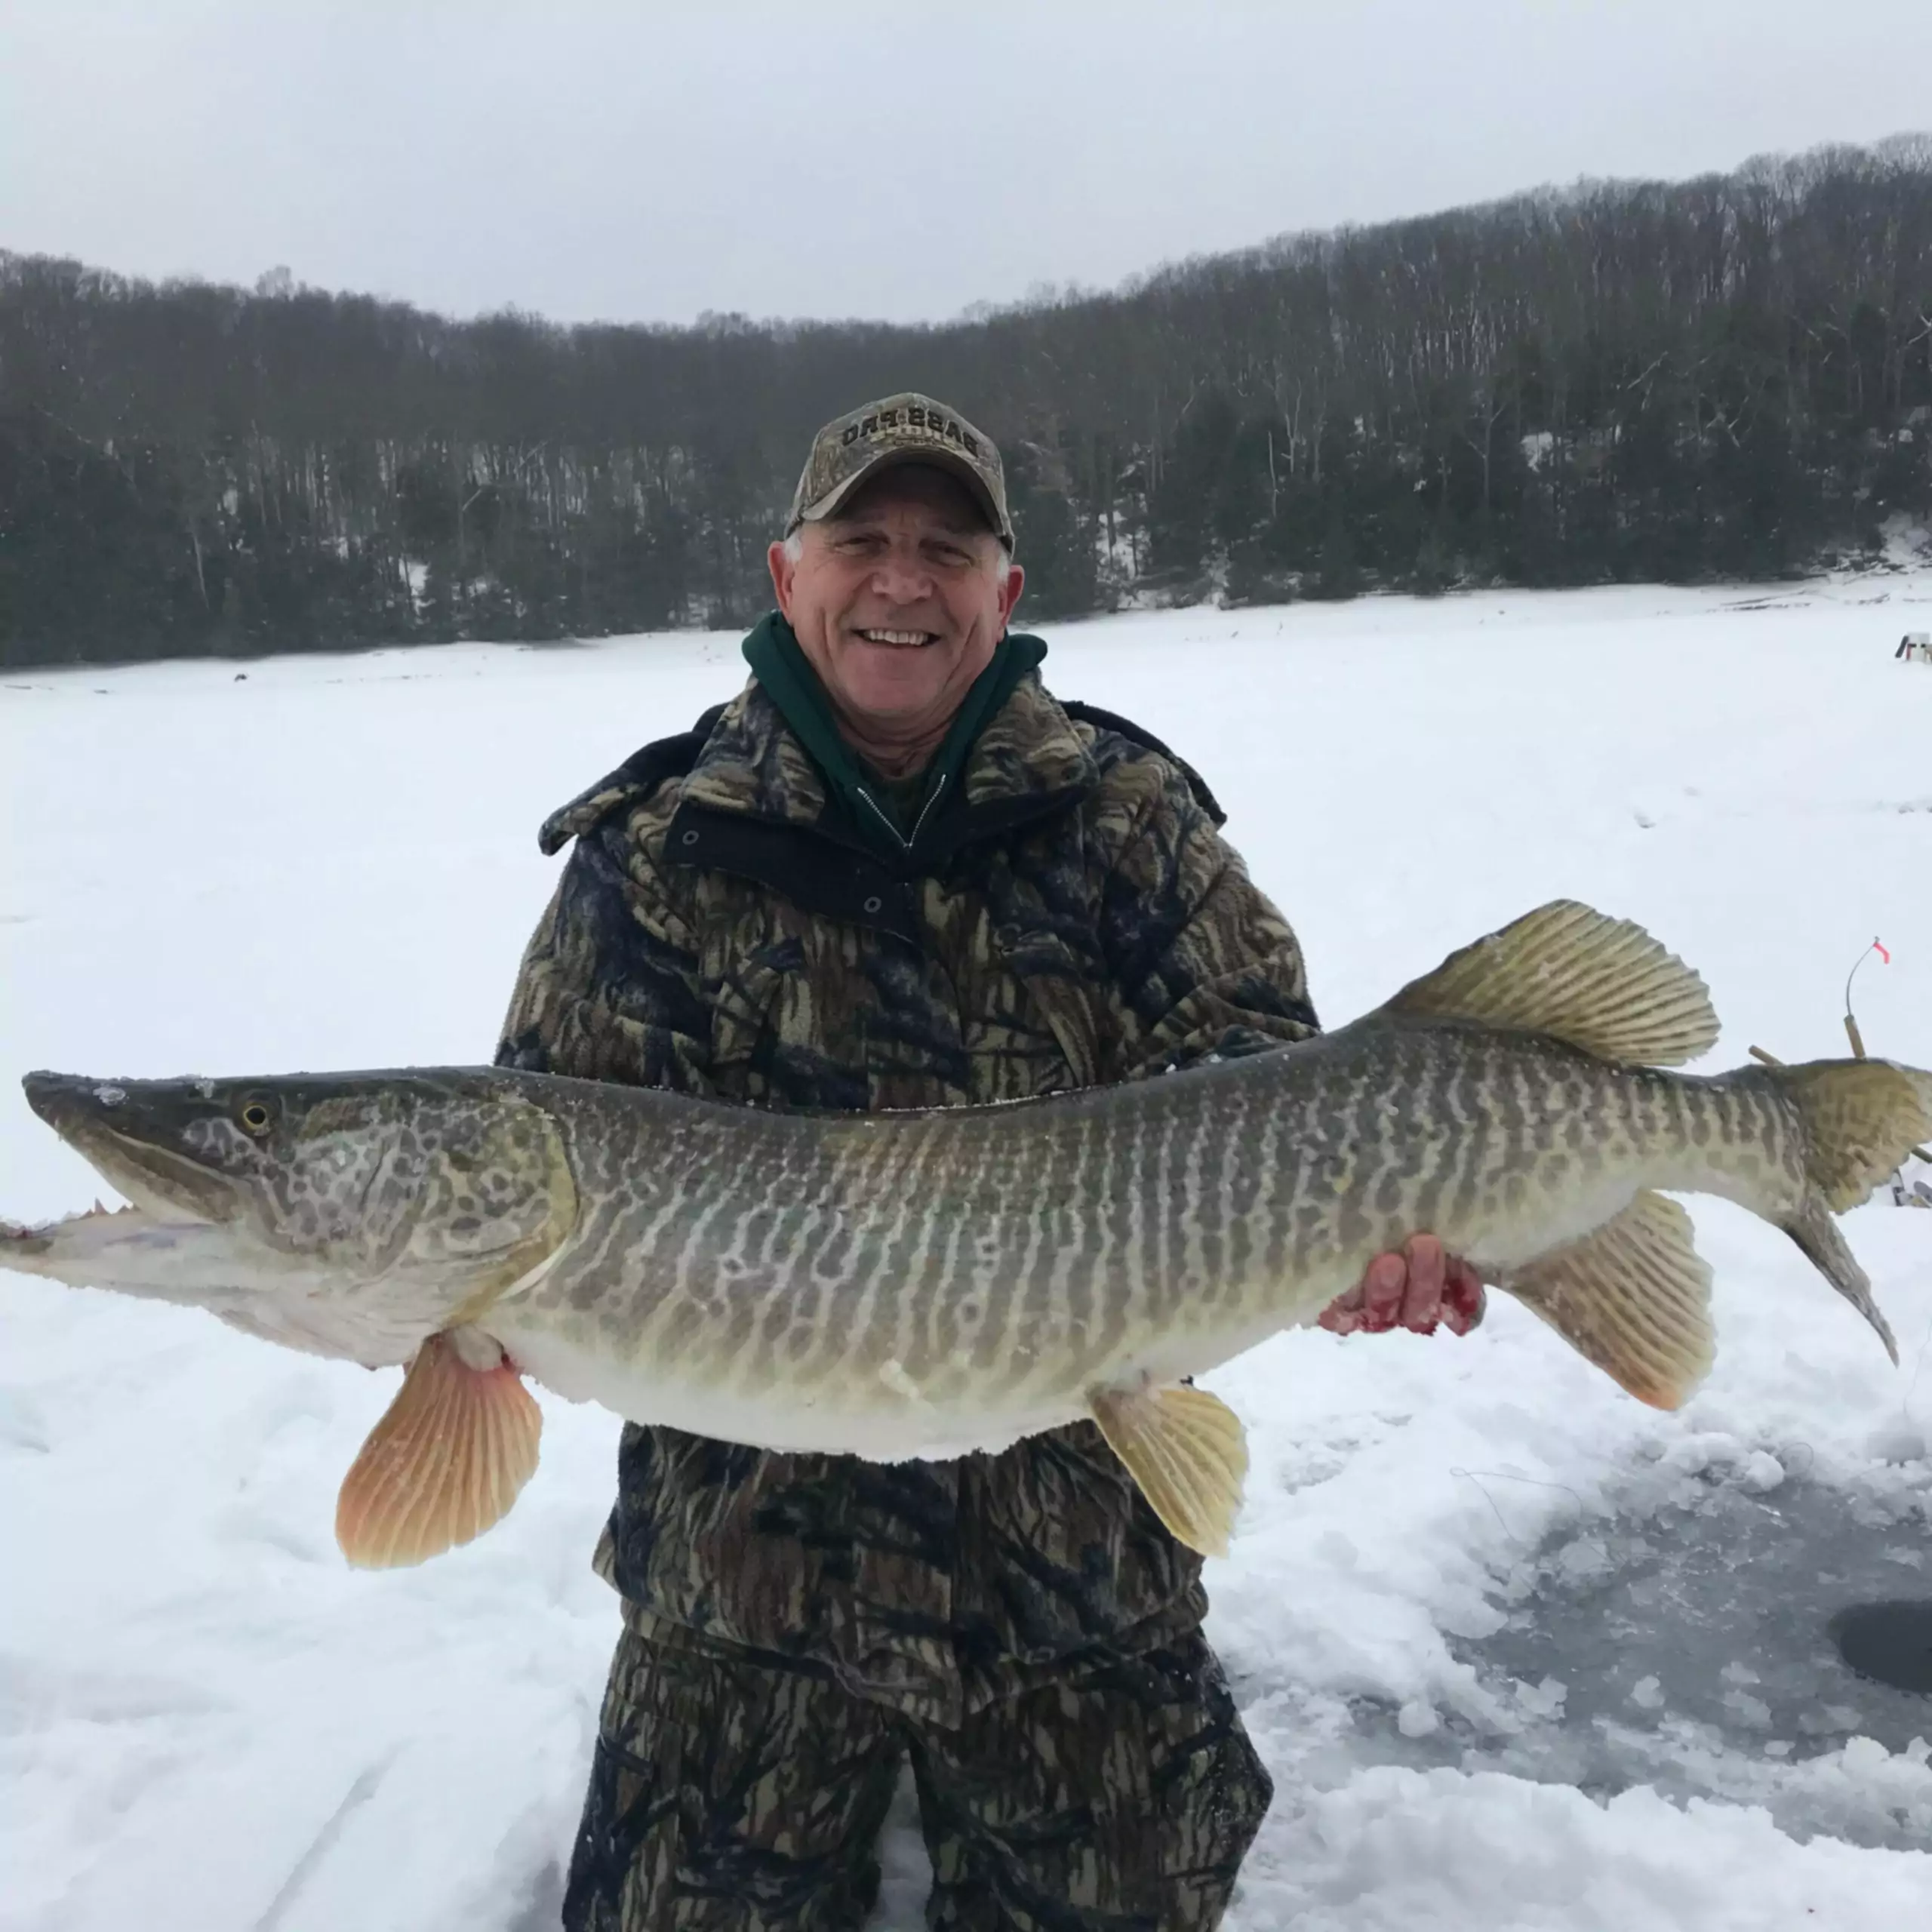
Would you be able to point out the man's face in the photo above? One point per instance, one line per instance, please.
(898, 602)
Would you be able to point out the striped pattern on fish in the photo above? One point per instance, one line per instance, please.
(950, 1281)
(933, 1283)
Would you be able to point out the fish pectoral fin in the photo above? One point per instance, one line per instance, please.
(446, 1459)
(1188, 1453)
(1634, 1296)
(1601, 984)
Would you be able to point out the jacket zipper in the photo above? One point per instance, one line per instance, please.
(885, 818)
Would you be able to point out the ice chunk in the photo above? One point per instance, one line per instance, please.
(1584, 1558)
(1647, 1694)
(1899, 1440)
(1762, 1472)
(1820, 1719)
(1545, 1699)
(1417, 1719)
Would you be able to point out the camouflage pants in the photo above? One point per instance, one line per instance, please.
(728, 1793)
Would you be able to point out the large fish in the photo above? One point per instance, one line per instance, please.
(931, 1283)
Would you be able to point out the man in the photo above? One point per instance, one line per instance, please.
(894, 872)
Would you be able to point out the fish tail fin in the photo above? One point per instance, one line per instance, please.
(1816, 1235)
(1861, 1118)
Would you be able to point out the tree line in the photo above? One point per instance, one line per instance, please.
(1728, 377)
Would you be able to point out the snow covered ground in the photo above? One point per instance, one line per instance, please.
(1522, 1653)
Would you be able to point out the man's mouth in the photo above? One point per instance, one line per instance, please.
(900, 640)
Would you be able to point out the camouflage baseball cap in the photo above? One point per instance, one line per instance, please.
(907, 428)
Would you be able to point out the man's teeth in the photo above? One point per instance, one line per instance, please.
(897, 637)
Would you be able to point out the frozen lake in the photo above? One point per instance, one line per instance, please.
(1521, 1653)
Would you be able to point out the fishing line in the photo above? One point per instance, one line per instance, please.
(1905, 1405)
(1509, 1475)
(1469, 1474)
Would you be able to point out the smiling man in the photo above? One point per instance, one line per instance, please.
(895, 871)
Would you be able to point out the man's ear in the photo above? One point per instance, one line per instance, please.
(1009, 594)
(783, 570)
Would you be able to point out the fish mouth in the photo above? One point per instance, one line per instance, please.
(164, 1185)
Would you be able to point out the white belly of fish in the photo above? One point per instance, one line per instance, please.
(895, 1426)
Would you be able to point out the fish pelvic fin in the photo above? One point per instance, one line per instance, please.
(1634, 1296)
(1601, 984)
(447, 1460)
(1187, 1450)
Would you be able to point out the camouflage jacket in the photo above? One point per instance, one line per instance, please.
(721, 929)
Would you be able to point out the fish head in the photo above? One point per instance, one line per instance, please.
(410, 1201)
(177, 1149)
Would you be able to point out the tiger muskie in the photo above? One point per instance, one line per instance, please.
(929, 1284)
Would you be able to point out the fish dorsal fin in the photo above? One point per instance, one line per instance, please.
(1601, 984)
(1187, 1450)
(446, 1461)
(1634, 1296)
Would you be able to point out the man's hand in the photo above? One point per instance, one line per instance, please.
(1415, 1289)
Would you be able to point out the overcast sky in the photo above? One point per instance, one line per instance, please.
(635, 160)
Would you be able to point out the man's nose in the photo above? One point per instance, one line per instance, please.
(902, 579)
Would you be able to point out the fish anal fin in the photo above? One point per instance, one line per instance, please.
(1187, 1450)
(1634, 1296)
(1603, 985)
(446, 1459)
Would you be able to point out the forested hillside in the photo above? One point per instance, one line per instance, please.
(1731, 376)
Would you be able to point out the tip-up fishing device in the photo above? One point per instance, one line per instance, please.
(1910, 1189)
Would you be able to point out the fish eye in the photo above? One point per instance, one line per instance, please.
(255, 1117)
